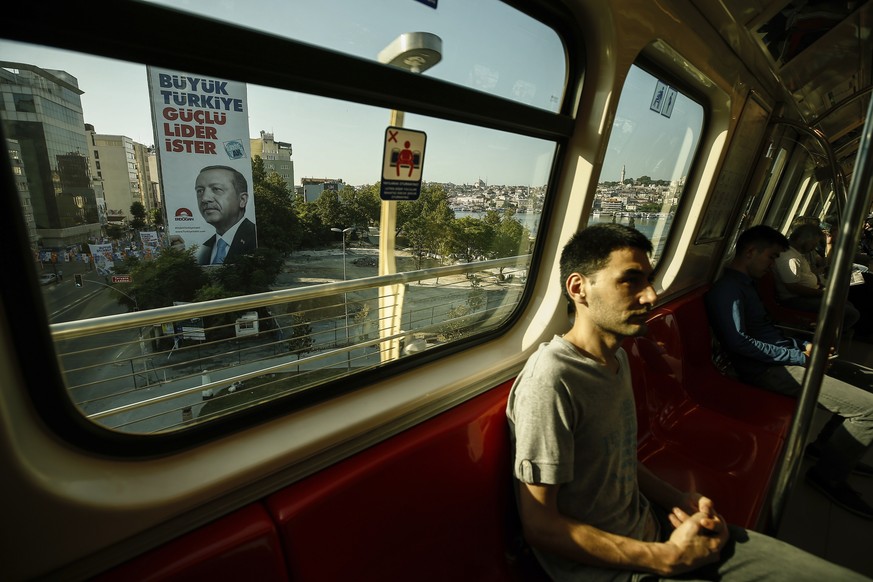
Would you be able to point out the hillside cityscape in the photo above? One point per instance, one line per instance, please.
(75, 182)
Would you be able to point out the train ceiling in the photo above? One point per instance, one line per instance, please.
(823, 52)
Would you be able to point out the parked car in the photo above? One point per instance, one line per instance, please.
(47, 279)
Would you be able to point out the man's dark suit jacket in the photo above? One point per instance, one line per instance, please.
(244, 241)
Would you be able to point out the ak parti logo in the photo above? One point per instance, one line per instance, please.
(184, 215)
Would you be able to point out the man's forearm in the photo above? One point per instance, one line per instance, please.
(804, 290)
(659, 491)
(589, 545)
(549, 530)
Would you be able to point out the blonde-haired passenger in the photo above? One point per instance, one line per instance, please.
(797, 284)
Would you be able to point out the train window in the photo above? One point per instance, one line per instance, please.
(242, 243)
(772, 168)
(521, 59)
(798, 180)
(653, 141)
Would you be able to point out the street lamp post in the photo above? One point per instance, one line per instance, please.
(416, 52)
(345, 297)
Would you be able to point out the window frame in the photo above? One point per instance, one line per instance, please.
(312, 73)
(648, 63)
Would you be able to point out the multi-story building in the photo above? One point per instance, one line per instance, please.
(20, 174)
(154, 176)
(613, 204)
(42, 111)
(313, 187)
(148, 181)
(114, 164)
(276, 156)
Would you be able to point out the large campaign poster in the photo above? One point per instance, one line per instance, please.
(201, 138)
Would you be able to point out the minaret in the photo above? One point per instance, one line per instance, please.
(622, 174)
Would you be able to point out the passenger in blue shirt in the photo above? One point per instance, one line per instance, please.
(762, 355)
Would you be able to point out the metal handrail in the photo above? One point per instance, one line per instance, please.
(821, 139)
(840, 104)
(859, 200)
(184, 385)
(86, 327)
(278, 364)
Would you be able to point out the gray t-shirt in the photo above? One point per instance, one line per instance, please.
(573, 424)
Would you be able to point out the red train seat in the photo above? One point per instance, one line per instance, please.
(428, 504)
(699, 429)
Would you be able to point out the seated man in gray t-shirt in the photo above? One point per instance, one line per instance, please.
(586, 504)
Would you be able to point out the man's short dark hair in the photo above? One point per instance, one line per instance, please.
(239, 181)
(761, 237)
(588, 250)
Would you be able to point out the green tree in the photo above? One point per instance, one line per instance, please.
(138, 211)
(315, 233)
(212, 291)
(259, 172)
(361, 313)
(174, 275)
(251, 273)
(241, 275)
(330, 209)
(426, 222)
(511, 238)
(115, 231)
(360, 207)
(471, 237)
(156, 216)
(300, 340)
(493, 217)
(125, 292)
(221, 325)
(126, 265)
(650, 207)
(349, 208)
(278, 223)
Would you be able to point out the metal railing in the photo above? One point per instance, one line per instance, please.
(858, 202)
(164, 369)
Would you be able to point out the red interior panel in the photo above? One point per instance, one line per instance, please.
(243, 545)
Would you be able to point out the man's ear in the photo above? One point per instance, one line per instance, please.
(575, 286)
(243, 199)
(751, 252)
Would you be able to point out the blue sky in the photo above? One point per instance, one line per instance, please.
(486, 45)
